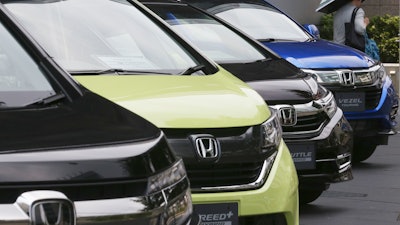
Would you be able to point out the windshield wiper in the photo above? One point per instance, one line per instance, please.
(311, 39)
(260, 60)
(114, 71)
(193, 69)
(47, 100)
(273, 40)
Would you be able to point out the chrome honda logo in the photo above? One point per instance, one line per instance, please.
(56, 212)
(207, 146)
(346, 78)
(47, 208)
(287, 115)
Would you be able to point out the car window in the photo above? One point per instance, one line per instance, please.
(95, 35)
(260, 22)
(21, 80)
(211, 37)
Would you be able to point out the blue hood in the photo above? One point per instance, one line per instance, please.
(321, 54)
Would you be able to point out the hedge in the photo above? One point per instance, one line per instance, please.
(383, 29)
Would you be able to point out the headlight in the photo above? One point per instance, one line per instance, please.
(331, 107)
(325, 77)
(380, 73)
(360, 77)
(167, 178)
(370, 76)
(271, 131)
(329, 104)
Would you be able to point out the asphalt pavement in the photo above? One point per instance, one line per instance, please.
(371, 198)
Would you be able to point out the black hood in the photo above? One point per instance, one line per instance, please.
(291, 91)
(88, 148)
(89, 120)
(107, 171)
(269, 69)
(277, 81)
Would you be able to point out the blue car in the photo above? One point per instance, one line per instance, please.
(360, 84)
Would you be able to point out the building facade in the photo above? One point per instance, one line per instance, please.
(301, 10)
(304, 10)
(381, 7)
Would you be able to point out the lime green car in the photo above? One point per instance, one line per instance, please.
(240, 169)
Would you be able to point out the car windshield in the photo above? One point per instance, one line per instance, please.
(101, 36)
(211, 37)
(21, 80)
(260, 22)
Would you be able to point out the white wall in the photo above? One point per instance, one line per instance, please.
(301, 10)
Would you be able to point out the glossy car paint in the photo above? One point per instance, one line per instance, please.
(87, 148)
(98, 122)
(184, 101)
(320, 54)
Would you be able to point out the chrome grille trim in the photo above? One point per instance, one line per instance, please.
(307, 109)
(343, 161)
(262, 178)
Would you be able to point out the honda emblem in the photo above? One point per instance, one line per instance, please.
(47, 207)
(287, 115)
(53, 212)
(346, 78)
(207, 147)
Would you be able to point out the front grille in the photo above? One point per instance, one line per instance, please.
(372, 98)
(226, 174)
(78, 191)
(240, 162)
(307, 123)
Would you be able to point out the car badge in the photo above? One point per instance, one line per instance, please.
(207, 147)
(48, 208)
(346, 77)
(287, 115)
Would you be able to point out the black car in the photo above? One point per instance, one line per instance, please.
(71, 157)
(319, 137)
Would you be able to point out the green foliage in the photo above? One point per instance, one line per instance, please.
(326, 27)
(382, 29)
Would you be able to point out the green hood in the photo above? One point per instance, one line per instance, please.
(169, 101)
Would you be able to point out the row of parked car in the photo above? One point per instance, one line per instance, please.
(156, 132)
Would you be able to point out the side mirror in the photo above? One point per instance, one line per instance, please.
(313, 30)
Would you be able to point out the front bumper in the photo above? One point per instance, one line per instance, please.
(333, 148)
(278, 196)
(171, 206)
(377, 121)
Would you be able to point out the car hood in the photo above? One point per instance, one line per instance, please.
(321, 54)
(170, 101)
(276, 80)
(87, 121)
(288, 91)
(88, 138)
(87, 163)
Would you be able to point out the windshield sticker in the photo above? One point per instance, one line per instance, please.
(127, 62)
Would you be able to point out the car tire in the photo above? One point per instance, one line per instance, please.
(308, 196)
(362, 151)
